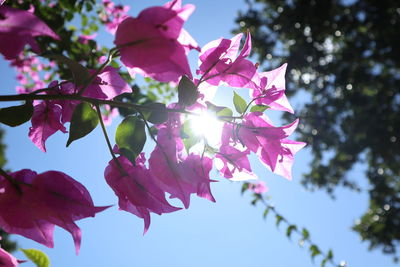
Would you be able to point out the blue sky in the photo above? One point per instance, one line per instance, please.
(229, 232)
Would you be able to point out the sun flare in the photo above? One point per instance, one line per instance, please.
(206, 125)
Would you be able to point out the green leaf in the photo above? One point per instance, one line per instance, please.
(16, 115)
(131, 137)
(239, 102)
(38, 257)
(279, 219)
(187, 92)
(188, 137)
(259, 108)
(323, 262)
(225, 112)
(245, 186)
(83, 121)
(157, 115)
(305, 234)
(290, 229)
(80, 74)
(330, 255)
(266, 211)
(314, 251)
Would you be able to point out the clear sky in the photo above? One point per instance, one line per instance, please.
(229, 232)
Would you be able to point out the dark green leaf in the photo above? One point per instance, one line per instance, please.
(84, 120)
(245, 186)
(131, 137)
(187, 92)
(290, 229)
(323, 262)
(16, 115)
(80, 74)
(260, 108)
(38, 257)
(239, 102)
(157, 114)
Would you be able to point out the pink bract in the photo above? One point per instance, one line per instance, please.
(270, 143)
(272, 90)
(137, 191)
(219, 62)
(259, 187)
(7, 260)
(40, 201)
(18, 28)
(46, 121)
(149, 43)
(178, 174)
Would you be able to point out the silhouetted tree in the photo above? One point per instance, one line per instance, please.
(346, 56)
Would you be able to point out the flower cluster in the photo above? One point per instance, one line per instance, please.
(112, 15)
(153, 44)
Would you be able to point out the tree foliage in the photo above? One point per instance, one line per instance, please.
(345, 56)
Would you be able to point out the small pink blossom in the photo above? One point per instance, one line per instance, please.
(259, 187)
(18, 28)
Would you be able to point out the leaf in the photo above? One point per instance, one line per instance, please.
(84, 120)
(266, 211)
(131, 137)
(290, 229)
(330, 255)
(323, 262)
(187, 92)
(259, 108)
(314, 251)
(188, 137)
(80, 74)
(245, 186)
(38, 257)
(157, 114)
(239, 102)
(305, 234)
(225, 112)
(16, 115)
(279, 219)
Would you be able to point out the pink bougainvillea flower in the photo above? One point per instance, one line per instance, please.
(178, 174)
(107, 85)
(259, 187)
(150, 44)
(232, 158)
(270, 143)
(7, 260)
(38, 202)
(18, 28)
(46, 120)
(137, 190)
(219, 62)
(272, 90)
(50, 116)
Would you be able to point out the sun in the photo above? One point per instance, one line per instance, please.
(207, 126)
